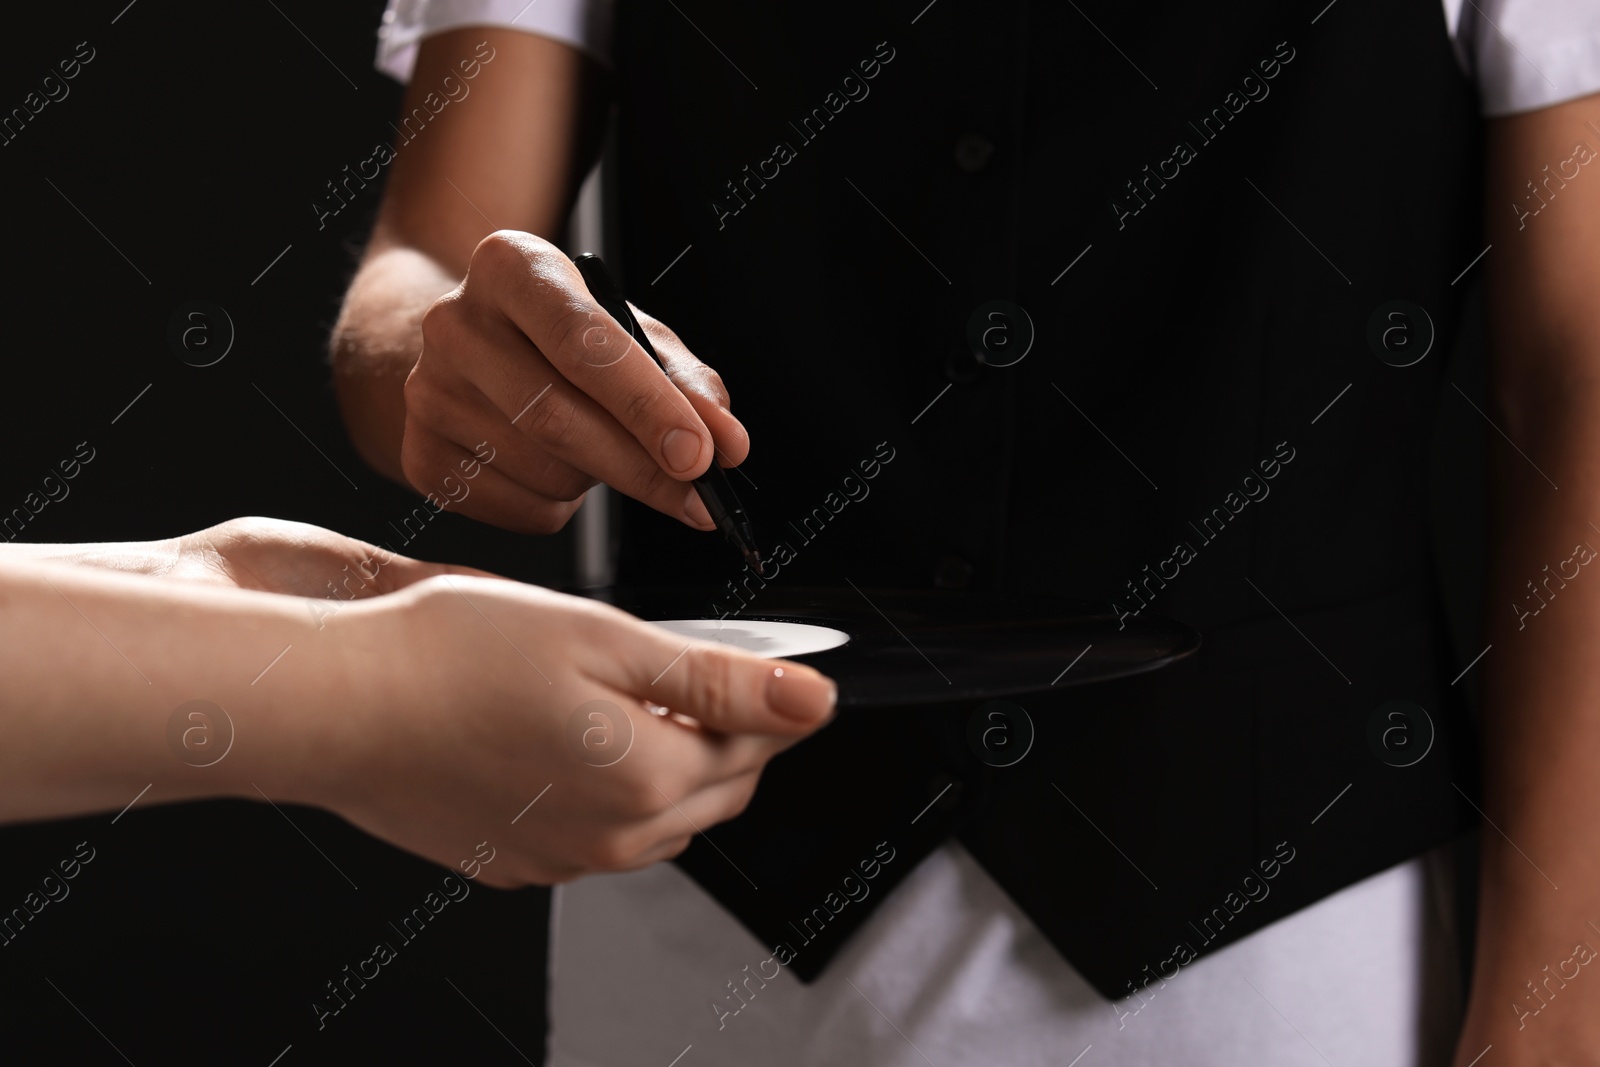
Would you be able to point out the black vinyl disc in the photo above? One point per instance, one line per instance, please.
(928, 646)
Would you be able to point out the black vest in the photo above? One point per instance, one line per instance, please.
(1206, 220)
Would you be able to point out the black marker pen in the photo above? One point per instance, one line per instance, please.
(716, 492)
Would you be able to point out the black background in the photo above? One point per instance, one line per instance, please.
(196, 141)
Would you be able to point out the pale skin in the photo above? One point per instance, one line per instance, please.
(428, 705)
(517, 151)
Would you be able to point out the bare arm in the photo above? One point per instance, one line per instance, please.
(465, 324)
(510, 155)
(1542, 677)
(415, 700)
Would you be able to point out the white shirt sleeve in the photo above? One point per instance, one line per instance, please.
(1527, 54)
(584, 24)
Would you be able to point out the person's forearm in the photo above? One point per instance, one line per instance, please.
(1540, 868)
(375, 345)
(1542, 708)
(511, 156)
(98, 665)
(153, 558)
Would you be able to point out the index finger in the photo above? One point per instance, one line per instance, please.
(548, 301)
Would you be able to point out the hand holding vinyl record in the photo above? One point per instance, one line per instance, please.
(505, 698)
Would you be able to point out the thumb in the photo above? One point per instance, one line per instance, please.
(725, 689)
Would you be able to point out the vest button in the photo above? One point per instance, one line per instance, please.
(952, 572)
(973, 152)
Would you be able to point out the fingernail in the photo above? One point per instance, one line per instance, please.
(801, 693)
(680, 448)
(694, 509)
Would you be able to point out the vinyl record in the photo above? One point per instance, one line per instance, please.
(894, 647)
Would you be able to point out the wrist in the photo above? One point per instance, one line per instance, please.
(318, 728)
(251, 691)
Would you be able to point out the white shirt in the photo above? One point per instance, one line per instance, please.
(948, 970)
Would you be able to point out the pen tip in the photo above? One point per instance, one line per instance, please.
(753, 558)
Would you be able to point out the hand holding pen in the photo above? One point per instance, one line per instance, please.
(522, 357)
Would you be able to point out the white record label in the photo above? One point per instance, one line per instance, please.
(763, 637)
